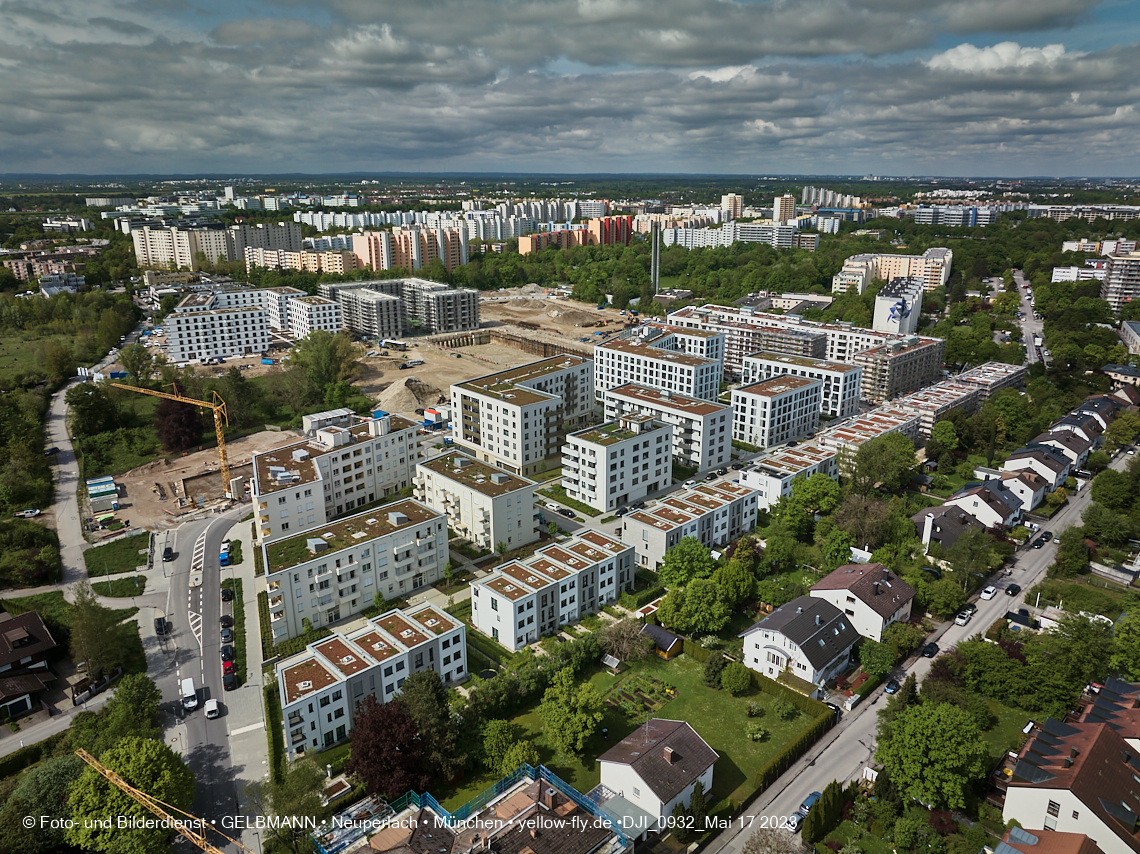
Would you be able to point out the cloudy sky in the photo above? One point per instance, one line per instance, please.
(896, 87)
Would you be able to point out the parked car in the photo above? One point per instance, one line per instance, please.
(51, 452)
(970, 608)
(809, 802)
(710, 476)
(160, 626)
(29, 513)
(930, 650)
(736, 466)
(892, 687)
(227, 652)
(621, 511)
(229, 681)
(962, 618)
(989, 592)
(227, 594)
(227, 635)
(226, 621)
(569, 514)
(795, 820)
(167, 554)
(1046, 535)
(688, 484)
(227, 667)
(1039, 542)
(1013, 590)
(721, 472)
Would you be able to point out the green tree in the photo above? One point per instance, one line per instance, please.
(425, 699)
(714, 669)
(297, 794)
(934, 754)
(706, 609)
(58, 360)
(519, 753)
(138, 361)
(818, 493)
(735, 581)
(698, 811)
(877, 658)
(736, 678)
(179, 425)
(90, 410)
(1072, 555)
(945, 435)
(1097, 462)
(499, 736)
(326, 359)
(1113, 489)
(1121, 431)
(146, 764)
(1078, 651)
(43, 794)
(835, 550)
(973, 554)
(671, 612)
(131, 711)
(687, 560)
(1126, 640)
(885, 461)
(94, 638)
(571, 712)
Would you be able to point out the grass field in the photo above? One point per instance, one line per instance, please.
(122, 555)
(134, 585)
(556, 492)
(1006, 733)
(56, 613)
(20, 353)
(717, 716)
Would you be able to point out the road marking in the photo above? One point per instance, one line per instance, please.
(244, 729)
(196, 628)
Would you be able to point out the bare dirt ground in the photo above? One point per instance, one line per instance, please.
(196, 472)
(552, 314)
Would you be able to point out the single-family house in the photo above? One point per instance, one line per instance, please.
(944, 526)
(1045, 460)
(1102, 407)
(870, 594)
(990, 502)
(1071, 443)
(1086, 426)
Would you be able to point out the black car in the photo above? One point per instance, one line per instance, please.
(930, 650)
(227, 594)
(621, 511)
(160, 626)
(229, 681)
(227, 653)
(226, 621)
(1013, 590)
(1046, 535)
(711, 475)
(1039, 542)
(167, 554)
(892, 687)
(971, 608)
(736, 466)
(227, 635)
(51, 452)
(721, 472)
(569, 514)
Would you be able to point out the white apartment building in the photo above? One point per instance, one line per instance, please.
(871, 595)
(163, 246)
(841, 382)
(715, 513)
(775, 411)
(208, 325)
(302, 486)
(993, 376)
(517, 419)
(309, 314)
(702, 432)
(618, 462)
(932, 267)
(276, 304)
(656, 365)
(523, 600)
(935, 402)
(321, 687)
(846, 437)
(898, 305)
(772, 476)
(484, 504)
(335, 570)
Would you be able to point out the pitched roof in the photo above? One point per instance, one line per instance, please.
(950, 523)
(994, 495)
(1027, 476)
(817, 627)
(874, 585)
(663, 638)
(1020, 841)
(1047, 455)
(23, 636)
(644, 750)
(1071, 439)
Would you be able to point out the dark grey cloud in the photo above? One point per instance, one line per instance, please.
(127, 28)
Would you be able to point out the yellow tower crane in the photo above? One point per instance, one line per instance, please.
(162, 810)
(221, 419)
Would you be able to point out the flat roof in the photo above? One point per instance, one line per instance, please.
(506, 384)
(899, 348)
(805, 362)
(612, 432)
(476, 474)
(794, 460)
(549, 565)
(671, 401)
(305, 677)
(650, 352)
(777, 385)
(684, 506)
(947, 392)
(353, 530)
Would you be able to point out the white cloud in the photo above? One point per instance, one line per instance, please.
(977, 60)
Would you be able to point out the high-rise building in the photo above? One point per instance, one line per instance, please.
(732, 204)
(784, 208)
(1121, 282)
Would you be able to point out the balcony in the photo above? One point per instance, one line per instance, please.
(263, 505)
(274, 586)
(297, 737)
(276, 602)
(295, 719)
(278, 617)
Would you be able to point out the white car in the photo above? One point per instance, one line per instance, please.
(688, 484)
(989, 593)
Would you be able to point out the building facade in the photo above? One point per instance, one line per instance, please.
(618, 462)
(310, 314)
(841, 382)
(772, 476)
(899, 368)
(775, 411)
(653, 364)
(702, 430)
(898, 305)
(872, 596)
(1121, 282)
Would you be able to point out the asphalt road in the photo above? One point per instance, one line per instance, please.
(1030, 326)
(850, 746)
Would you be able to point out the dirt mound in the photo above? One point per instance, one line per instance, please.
(407, 395)
(573, 315)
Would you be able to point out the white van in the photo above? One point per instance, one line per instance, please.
(212, 709)
(189, 694)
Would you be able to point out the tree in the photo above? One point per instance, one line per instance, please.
(1126, 639)
(835, 551)
(179, 425)
(552, 529)
(945, 435)
(885, 461)
(58, 360)
(934, 754)
(868, 520)
(325, 358)
(89, 409)
(1097, 462)
(706, 609)
(379, 602)
(499, 736)
(736, 678)
(877, 658)
(132, 711)
(698, 812)
(94, 638)
(519, 753)
(973, 554)
(1113, 489)
(736, 581)
(425, 699)
(386, 749)
(138, 361)
(687, 560)
(624, 641)
(571, 712)
(903, 699)
(772, 841)
(43, 794)
(714, 669)
(818, 493)
(146, 764)
(1072, 555)
(1078, 651)
(297, 794)
(1121, 431)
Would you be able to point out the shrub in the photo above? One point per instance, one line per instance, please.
(755, 710)
(755, 732)
(784, 710)
(736, 678)
(713, 669)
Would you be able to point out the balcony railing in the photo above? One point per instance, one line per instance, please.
(278, 617)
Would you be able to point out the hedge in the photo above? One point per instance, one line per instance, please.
(286, 648)
(870, 685)
(276, 733)
(812, 708)
(694, 650)
(633, 601)
(781, 762)
(26, 757)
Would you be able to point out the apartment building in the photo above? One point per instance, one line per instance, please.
(335, 570)
(715, 513)
(321, 687)
(484, 504)
(733, 205)
(309, 314)
(656, 363)
(991, 377)
(609, 230)
(162, 246)
(1121, 282)
(207, 325)
(772, 476)
(618, 462)
(521, 601)
(846, 437)
(372, 313)
(779, 236)
(898, 305)
(932, 267)
(439, 308)
(841, 382)
(302, 486)
(427, 306)
(704, 343)
(308, 260)
(901, 367)
(702, 432)
(775, 411)
(276, 304)
(784, 208)
(517, 419)
(934, 403)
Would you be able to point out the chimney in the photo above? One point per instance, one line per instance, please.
(818, 620)
(669, 756)
(876, 588)
(1073, 752)
(1068, 763)
(927, 529)
(533, 833)
(547, 797)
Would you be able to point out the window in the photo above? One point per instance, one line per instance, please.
(1054, 808)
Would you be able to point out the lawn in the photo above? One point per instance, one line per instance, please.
(123, 555)
(1006, 733)
(56, 614)
(20, 353)
(1087, 593)
(131, 585)
(717, 716)
(556, 492)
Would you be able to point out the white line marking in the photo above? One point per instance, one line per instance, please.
(243, 730)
